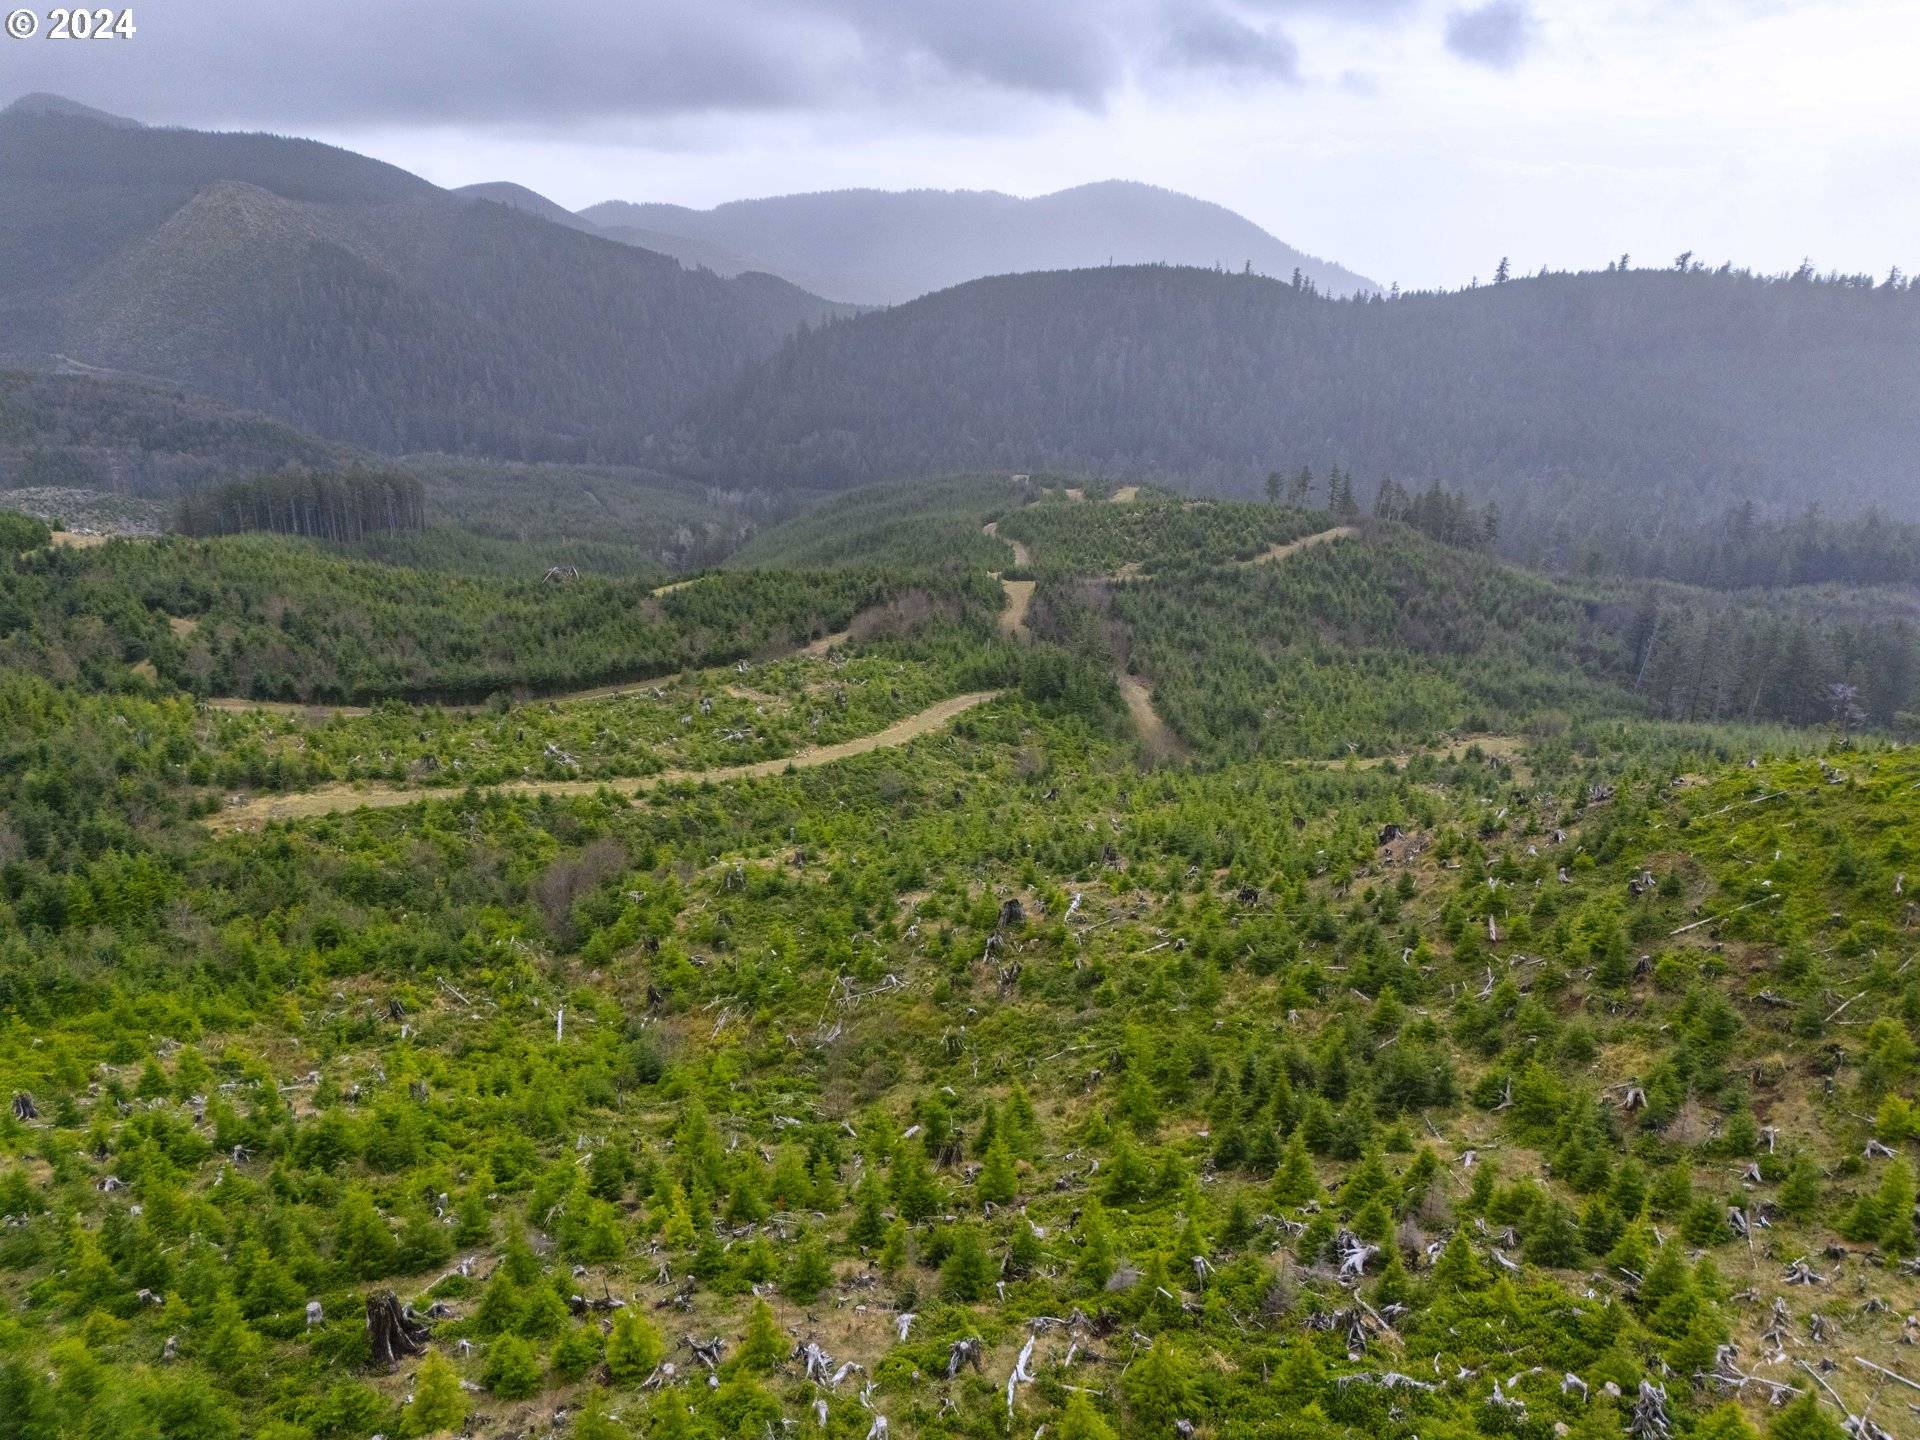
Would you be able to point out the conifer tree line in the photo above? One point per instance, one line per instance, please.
(1445, 515)
(320, 505)
(1336, 493)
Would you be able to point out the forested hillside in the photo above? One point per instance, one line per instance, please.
(119, 454)
(598, 517)
(354, 299)
(1620, 401)
(1385, 636)
(87, 432)
(278, 619)
(931, 523)
(1745, 549)
(995, 1076)
(1368, 645)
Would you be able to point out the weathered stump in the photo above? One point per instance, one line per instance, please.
(394, 1331)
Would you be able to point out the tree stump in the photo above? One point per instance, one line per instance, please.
(394, 1331)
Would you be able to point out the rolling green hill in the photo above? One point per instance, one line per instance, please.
(921, 523)
(900, 1003)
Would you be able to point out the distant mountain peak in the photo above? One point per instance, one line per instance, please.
(41, 102)
(888, 246)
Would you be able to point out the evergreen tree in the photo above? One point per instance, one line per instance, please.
(1080, 1421)
(1128, 1177)
(1600, 1227)
(1666, 1278)
(763, 1347)
(966, 1275)
(512, 1369)
(998, 1183)
(439, 1404)
(363, 1241)
(578, 1351)
(608, 1173)
(1552, 1239)
(1364, 1182)
(1024, 1252)
(1157, 1390)
(26, 1403)
(1800, 1191)
(1237, 1227)
(234, 1351)
(897, 1250)
(634, 1347)
(473, 1214)
(1374, 1222)
(1020, 1122)
(745, 1204)
(1096, 1262)
(1895, 1202)
(1458, 1269)
(592, 1422)
(1725, 1422)
(1629, 1191)
(916, 1194)
(1705, 1222)
(1295, 1182)
(808, 1271)
(543, 1315)
(1805, 1420)
(869, 1226)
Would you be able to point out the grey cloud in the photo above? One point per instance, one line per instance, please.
(1497, 34)
(1067, 50)
(1214, 40)
(428, 61)
(524, 65)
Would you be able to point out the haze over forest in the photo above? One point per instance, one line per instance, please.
(371, 308)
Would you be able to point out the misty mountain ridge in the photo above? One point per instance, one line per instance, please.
(353, 298)
(361, 303)
(886, 247)
(688, 251)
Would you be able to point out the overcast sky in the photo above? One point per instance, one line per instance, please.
(1413, 140)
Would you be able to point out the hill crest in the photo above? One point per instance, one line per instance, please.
(44, 102)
